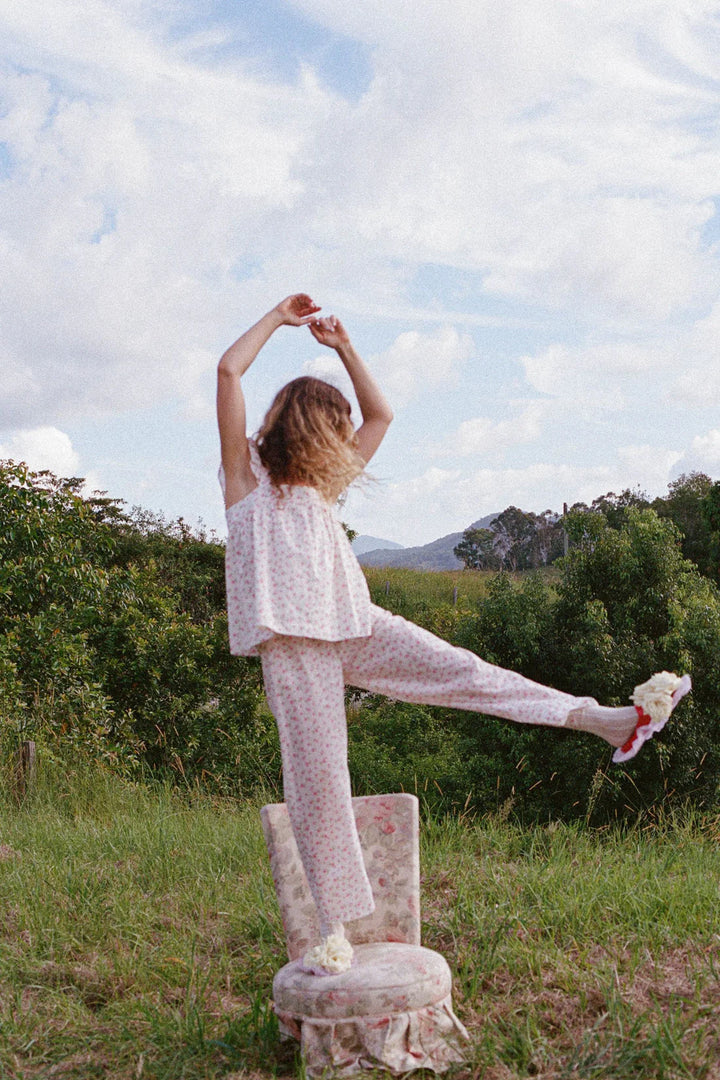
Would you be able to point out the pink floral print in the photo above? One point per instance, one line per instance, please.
(393, 1008)
(297, 596)
(305, 681)
(289, 568)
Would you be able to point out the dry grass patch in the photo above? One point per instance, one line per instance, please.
(599, 1016)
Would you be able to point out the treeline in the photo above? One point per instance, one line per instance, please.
(113, 637)
(624, 604)
(113, 648)
(521, 540)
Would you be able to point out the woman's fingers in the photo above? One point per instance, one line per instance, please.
(298, 309)
(304, 305)
(324, 330)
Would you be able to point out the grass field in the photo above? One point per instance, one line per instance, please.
(433, 588)
(139, 938)
(419, 586)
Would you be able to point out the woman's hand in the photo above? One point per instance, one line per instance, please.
(330, 332)
(376, 412)
(296, 310)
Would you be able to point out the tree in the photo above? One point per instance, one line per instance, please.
(516, 540)
(630, 604)
(113, 637)
(524, 540)
(549, 541)
(610, 507)
(55, 551)
(710, 511)
(477, 550)
(685, 505)
(627, 604)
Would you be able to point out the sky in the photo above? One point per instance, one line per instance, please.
(514, 209)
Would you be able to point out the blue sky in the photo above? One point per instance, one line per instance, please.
(513, 208)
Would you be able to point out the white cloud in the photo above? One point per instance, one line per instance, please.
(418, 362)
(706, 450)
(137, 181)
(564, 151)
(558, 159)
(481, 435)
(697, 363)
(43, 448)
(624, 258)
(595, 377)
(650, 466)
(440, 501)
(561, 156)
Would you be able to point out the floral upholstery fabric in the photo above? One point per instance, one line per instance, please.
(429, 1038)
(386, 977)
(388, 826)
(392, 1009)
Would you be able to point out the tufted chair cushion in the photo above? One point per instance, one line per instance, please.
(385, 978)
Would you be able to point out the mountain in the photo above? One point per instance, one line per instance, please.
(361, 544)
(437, 555)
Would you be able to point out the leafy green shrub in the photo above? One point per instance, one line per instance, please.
(53, 581)
(113, 647)
(393, 746)
(113, 642)
(627, 604)
(513, 625)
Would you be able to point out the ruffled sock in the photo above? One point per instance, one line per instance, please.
(333, 955)
(627, 727)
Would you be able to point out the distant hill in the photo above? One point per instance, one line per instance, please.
(361, 544)
(437, 555)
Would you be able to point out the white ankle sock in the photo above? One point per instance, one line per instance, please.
(329, 929)
(614, 725)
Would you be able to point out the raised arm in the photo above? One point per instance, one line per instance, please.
(295, 310)
(376, 412)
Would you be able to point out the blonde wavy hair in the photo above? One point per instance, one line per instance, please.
(308, 438)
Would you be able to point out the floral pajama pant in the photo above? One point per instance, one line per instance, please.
(305, 683)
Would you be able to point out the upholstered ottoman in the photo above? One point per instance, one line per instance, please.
(393, 1008)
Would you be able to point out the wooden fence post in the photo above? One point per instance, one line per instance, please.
(566, 542)
(25, 761)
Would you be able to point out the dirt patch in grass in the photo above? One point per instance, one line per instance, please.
(607, 1017)
(682, 974)
(93, 987)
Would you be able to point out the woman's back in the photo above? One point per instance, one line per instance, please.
(289, 568)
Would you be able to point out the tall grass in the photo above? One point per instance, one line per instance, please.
(398, 587)
(140, 935)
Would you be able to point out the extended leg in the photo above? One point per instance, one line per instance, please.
(305, 691)
(408, 663)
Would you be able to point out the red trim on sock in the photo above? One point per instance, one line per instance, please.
(642, 718)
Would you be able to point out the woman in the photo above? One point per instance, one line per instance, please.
(297, 597)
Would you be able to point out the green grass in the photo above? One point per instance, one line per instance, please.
(397, 586)
(404, 590)
(139, 936)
